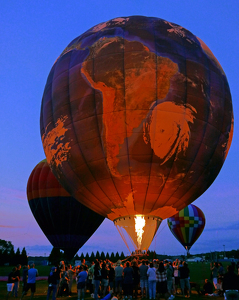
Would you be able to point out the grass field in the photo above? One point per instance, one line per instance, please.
(198, 273)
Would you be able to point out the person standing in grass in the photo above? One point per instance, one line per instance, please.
(24, 276)
(176, 283)
(161, 285)
(81, 282)
(31, 281)
(214, 270)
(169, 272)
(152, 281)
(17, 276)
(128, 274)
(184, 279)
(52, 284)
(97, 279)
(10, 281)
(220, 276)
(118, 278)
(104, 279)
(111, 276)
(143, 279)
(71, 274)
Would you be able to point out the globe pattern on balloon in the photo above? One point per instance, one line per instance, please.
(136, 118)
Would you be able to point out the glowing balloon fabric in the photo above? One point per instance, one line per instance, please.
(137, 231)
(136, 118)
(187, 225)
(66, 223)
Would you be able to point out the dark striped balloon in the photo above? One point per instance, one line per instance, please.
(187, 225)
(66, 222)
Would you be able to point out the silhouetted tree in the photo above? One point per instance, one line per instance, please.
(17, 257)
(122, 256)
(24, 258)
(6, 252)
(6, 245)
(102, 256)
(112, 257)
(11, 256)
(87, 257)
(97, 255)
(55, 256)
(107, 256)
(5, 258)
(117, 256)
(92, 256)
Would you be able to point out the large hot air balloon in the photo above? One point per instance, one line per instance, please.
(136, 121)
(66, 222)
(187, 225)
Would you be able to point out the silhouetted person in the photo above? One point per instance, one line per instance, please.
(230, 284)
(31, 281)
(207, 288)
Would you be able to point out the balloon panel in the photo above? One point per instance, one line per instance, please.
(187, 225)
(136, 117)
(66, 223)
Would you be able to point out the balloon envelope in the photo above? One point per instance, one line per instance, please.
(187, 225)
(136, 118)
(65, 221)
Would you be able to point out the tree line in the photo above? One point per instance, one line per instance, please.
(57, 255)
(9, 256)
(12, 258)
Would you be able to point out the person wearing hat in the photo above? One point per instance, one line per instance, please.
(52, 284)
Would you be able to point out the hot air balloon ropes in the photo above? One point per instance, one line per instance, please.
(63, 219)
(136, 121)
(187, 225)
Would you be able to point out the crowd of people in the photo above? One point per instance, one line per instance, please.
(125, 279)
(225, 283)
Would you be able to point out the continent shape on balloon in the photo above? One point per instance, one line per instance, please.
(136, 119)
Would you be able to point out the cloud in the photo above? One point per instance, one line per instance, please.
(9, 226)
(39, 250)
(231, 226)
(8, 193)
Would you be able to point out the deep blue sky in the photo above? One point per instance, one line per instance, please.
(32, 35)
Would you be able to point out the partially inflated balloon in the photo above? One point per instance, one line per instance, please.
(187, 225)
(136, 118)
(66, 223)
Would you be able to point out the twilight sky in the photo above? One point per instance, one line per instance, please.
(32, 35)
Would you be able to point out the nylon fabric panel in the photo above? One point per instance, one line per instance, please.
(139, 105)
